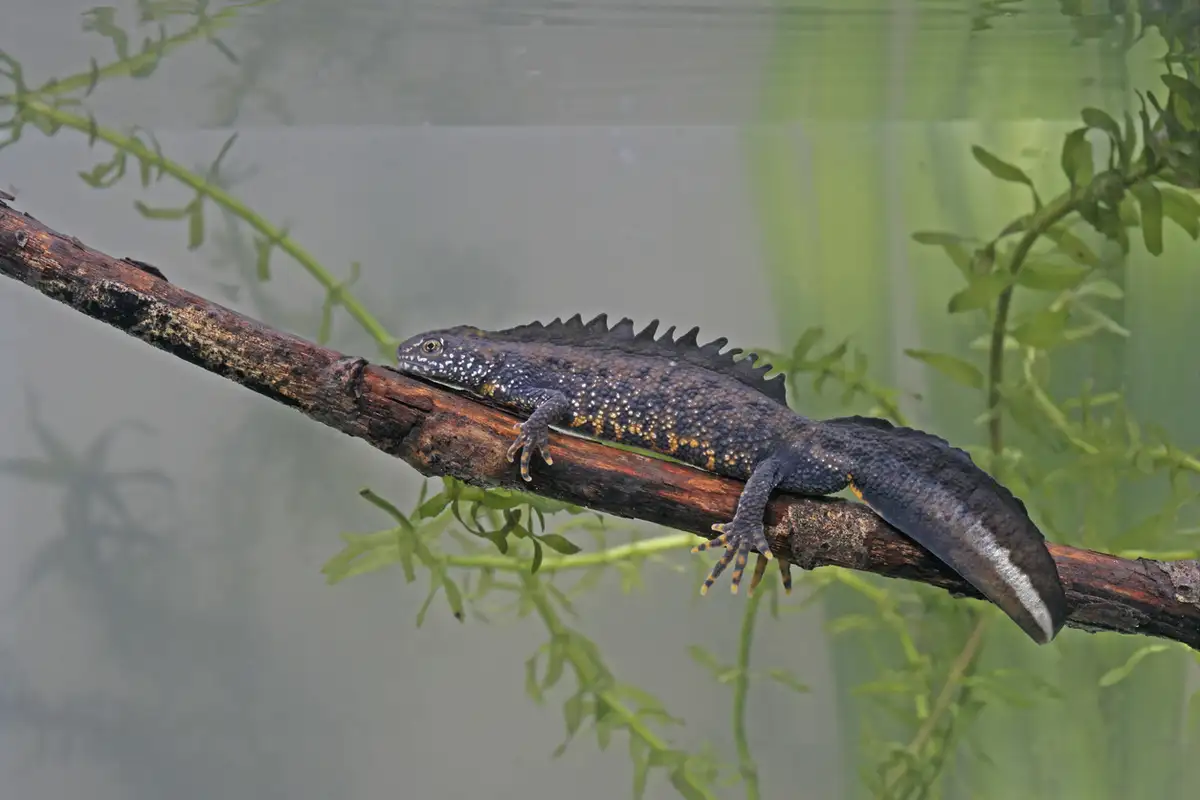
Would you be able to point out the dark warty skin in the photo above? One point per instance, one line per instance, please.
(675, 397)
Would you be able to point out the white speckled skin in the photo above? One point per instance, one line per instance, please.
(703, 408)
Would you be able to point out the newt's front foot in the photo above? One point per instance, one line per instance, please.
(531, 437)
(739, 538)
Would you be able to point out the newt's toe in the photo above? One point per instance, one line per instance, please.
(527, 442)
(717, 569)
(739, 540)
(716, 541)
(739, 566)
(760, 568)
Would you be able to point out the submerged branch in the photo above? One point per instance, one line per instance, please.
(441, 433)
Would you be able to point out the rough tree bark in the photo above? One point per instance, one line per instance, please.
(441, 433)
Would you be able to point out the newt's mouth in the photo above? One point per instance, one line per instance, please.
(427, 372)
(415, 365)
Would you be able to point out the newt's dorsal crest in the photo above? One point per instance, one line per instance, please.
(597, 334)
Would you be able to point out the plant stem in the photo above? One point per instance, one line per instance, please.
(741, 688)
(958, 671)
(1045, 219)
(592, 675)
(206, 26)
(954, 678)
(1049, 216)
(216, 194)
(625, 552)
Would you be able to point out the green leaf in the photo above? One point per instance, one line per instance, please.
(559, 544)
(1151, 203)
(215, 168)
(1183, 89)
(102, 20)
(604, 729)
(956, 369)
(1128, 142)
(453, 597)
(1076, 158)
(954, 246)
(362, 554)
(146, 69)
(1095, 118)
(531, 682)
(1182, 209)
(641, 766)
(434, 586)
(789, 680)
(145, 172)
(46, 124)
(1003, 170)
(1128, 212)
(159, 213)
(1102, 288)
(1118, 674)
(805, 343)
(196, 225)
(1101, 321)
(433, 506)
(386, 507)
(1042, 330)
(685, 786)
(1073, 246)
(554, 665)
(981, 292)
(573, 713)
(939, 238)
(107, 173)
(262, 261)
(707, 660)
(537, 557)
(1046, 276)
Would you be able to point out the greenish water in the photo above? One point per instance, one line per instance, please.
(754, 168)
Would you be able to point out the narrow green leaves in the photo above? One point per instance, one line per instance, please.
(788, 679)
(1184, 101)
(102, 20)
(1118, 674)
(1182, 209)
(1076, 158)
(1048, 276)
(196, 224)
(1005, 171)
(1095, 118)
(1151, 203)
(981, 293)
(721, 673)
(956, 369)
(955, 247)
(1043, 329)
(149, 212)
(107, 173)
(559, 543)
(1072, 246)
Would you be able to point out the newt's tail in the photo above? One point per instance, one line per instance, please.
(935, 494)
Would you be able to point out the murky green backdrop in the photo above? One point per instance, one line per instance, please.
(752, 167)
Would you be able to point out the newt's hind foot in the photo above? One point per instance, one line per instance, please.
(760, 568)
(739, 539)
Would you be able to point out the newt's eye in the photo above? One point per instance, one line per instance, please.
(431, 346)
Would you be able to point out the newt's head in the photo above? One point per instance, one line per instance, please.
(455, 356)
